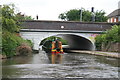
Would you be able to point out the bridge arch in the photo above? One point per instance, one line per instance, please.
(73, 38)
(38, 30)
(76, 42)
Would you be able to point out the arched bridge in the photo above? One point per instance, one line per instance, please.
(80, 35)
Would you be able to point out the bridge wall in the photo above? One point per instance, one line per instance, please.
(66, 25)
(37, 37)
(71, 30)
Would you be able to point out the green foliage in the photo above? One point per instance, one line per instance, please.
(10, 42)
(74, 15)
(10, 25)
(99, 40)
(86, 16)
(100, 16)
(0, 29)
(29, 43)
(23, 17)
(64, 42)
(9, 20)
(62, 16)
(112, 35)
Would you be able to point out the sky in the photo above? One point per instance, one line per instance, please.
(50, 9)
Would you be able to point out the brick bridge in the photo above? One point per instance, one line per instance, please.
(80, 35)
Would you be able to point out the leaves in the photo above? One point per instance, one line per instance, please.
(9, 19)
(112, 35)
(62, 16)
(100, 16)
(64, 42)
(10, 25)
(9, 44)
(74, 15)
(20, 16)
(10, 41)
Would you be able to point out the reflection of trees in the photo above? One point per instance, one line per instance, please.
(10, 72)
(107, 60)
(17, 60)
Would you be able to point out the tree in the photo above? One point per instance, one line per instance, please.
(21, 16)
(10, 26)
(86, 16)
(100, 16)
(110, 36)
(62, 16)
(9, 20)
(74, 15)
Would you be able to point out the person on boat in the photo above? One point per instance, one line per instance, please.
(59, 47)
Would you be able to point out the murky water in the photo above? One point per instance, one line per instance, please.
(74, 65)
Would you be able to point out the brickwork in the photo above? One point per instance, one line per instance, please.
(68, 25)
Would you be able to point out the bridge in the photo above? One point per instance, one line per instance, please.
(80, 35)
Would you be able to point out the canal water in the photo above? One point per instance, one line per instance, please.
(74, 65)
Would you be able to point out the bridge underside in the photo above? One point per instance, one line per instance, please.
(76, 42)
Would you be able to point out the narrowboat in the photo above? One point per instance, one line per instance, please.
(53, 47)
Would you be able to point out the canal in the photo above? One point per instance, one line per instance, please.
(74, 65)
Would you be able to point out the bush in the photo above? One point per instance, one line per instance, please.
(11, 42)
(110, 36)
(10, 27)
(24, 50)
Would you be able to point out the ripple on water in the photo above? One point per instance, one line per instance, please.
(73, 66)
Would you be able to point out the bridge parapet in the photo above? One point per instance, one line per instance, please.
(66, 25)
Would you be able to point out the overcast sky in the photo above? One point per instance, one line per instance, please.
(50, 9)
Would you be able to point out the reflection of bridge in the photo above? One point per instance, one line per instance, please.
(80, 35)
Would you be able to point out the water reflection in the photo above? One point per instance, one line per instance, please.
(17, 60)
(74, 65)
(56, 58)
(108, 60)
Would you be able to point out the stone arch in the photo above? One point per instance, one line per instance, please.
(76, 41)
(37, 37)
(79, 42)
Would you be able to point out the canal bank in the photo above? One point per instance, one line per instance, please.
(100, 53)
